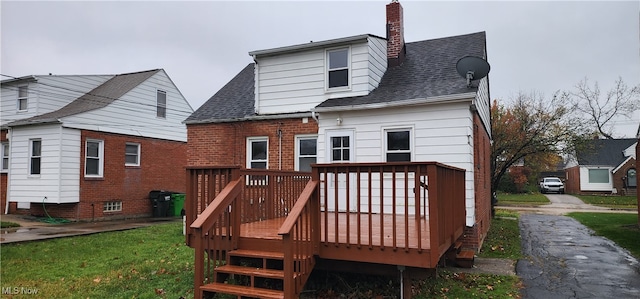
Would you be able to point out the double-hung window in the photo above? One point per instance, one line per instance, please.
(338, 68)
(94, 158)
(35, 156)
(161, 104)
(23, 98)
(306, 152)
(257, 152)
(398, 145)
(5, 157)
(132, 154)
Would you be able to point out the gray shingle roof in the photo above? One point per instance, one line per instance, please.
(429, 70)
(99, 97)
(605, 152)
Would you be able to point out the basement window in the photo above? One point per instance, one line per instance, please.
(112, 206)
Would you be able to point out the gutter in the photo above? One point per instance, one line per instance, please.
(460, 97)
(249, 118)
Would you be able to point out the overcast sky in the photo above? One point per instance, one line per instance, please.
(532, 46)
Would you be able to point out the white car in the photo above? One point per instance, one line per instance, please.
(551, 184)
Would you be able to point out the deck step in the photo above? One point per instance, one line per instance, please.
(465, 258)
(242, 291)
(250, 271)
(257, 254)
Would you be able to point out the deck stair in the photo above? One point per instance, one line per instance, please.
(460, 257)
(249, 274)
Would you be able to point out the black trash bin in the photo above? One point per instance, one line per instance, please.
(160, 203)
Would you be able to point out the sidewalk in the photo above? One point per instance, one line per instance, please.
(33, 229)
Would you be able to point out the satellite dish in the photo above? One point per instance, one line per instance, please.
(472, 68)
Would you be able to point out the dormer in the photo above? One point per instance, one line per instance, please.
(297, 78)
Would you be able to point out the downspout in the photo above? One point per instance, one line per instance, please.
(314, 115)
(6, 209)
(279, 132)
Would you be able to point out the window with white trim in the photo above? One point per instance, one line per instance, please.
(340, 148)
(306, 152)
(599, 176)
(5, 156)
(94, 158)
(23, 98)
(398, 145)
(338, 68)
(161, 103)
(112, 206)
(132, 154)
(257, 152)
(35, 156)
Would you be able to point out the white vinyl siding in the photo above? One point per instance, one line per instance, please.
(135, 113)
(296, 82)
(59, 179)
(483, 104)
(50, 93)
(441, 132)
(594, 178)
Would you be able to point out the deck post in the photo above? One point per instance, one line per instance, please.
(199, 264)
(315, 212)
(434, 230)
(289, 283)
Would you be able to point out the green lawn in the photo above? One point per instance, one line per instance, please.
(150, 262)
(7, 224)
(524, 199)
(621, 202)
(153, 262)
(503, 239)
(620, 228)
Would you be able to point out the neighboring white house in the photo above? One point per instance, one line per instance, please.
(92, 146)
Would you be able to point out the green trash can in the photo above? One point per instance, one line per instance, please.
(178, 204)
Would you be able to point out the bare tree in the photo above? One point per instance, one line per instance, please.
(620, 100)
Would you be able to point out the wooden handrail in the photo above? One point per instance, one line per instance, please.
(207, 218)
(297, 209)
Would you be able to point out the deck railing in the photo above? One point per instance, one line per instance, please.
(407, 195)
(299, 236)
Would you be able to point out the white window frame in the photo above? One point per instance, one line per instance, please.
(32, 156)
(297, 147)
(161, 108)
(100, 158)
(24, 98)
(4, 152)
(112, 206)
(250, 141)
(137, 155)
(385, 144)
(328, 69)
(329, 145)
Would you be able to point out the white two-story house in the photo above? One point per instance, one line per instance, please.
(85, 147)
(361, 98)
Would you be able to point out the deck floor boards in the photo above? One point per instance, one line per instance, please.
(267, 229)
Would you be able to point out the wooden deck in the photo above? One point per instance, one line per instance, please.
(268, 230)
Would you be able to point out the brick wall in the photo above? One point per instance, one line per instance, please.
(224, 144)
(162, 167)
(474, 236)
(621, 174)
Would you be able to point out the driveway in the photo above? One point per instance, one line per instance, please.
(564, 260)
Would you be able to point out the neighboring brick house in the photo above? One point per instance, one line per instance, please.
(90, 147)
(361, 98)
(605, 166)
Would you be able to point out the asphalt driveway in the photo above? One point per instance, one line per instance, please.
(564, 260)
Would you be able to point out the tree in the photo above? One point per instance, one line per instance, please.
(620, 100)
(532, 128)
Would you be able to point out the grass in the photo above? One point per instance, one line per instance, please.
(611, 201)
(620, 228)
(150, 262)
(524, 199)
(503, 239)
(465, 285)
(7, 224)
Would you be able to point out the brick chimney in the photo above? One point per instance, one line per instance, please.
(395, 34)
